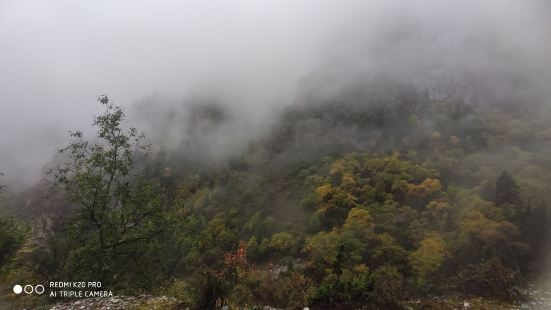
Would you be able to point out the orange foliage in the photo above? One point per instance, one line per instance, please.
(426, 188)
(237, 259)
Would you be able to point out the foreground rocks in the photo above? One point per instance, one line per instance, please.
(539, 300)
(535, 300)
(121, 303)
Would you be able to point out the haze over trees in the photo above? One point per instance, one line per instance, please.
(405, 208)
(378, 155)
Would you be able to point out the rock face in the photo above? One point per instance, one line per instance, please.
(121, 303)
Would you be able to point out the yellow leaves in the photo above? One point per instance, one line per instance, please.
(429, 256)
(361, 269)
(356, 231)
(323, 247)
(359, 216)
(474, 221)
(438, 206)
(438, 209)
(426, 188)
(348, 180)
(362, 180)
(324, 190)
(337, 168)
(485, 229)
(345, 169)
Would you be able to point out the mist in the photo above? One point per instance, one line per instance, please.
(252, 58)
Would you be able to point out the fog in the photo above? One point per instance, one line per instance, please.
(250, 56)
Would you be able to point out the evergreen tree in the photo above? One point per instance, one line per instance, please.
(507, 191)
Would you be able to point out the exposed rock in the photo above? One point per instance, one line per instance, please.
(121, 303)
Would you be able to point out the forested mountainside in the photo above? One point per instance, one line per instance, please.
(374, 197)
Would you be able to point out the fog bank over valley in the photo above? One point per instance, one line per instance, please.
(248, 60)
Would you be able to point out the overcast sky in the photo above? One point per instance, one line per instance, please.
(56, 57)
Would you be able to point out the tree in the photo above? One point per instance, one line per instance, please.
(323, 250)
(117, 211)
(507, 190)
(387, 286)
(428, 258)
(355, 234)
(282, 242)
(12, 236)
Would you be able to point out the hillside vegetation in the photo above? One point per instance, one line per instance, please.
(370, 198)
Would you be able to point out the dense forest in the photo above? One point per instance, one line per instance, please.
(383, 194)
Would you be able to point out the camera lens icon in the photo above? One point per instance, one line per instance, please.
(39, 289)
(28, 289)
(17, 289)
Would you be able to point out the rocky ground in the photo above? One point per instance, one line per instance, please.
(537, 300)
(122, 303)
(541, 301)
